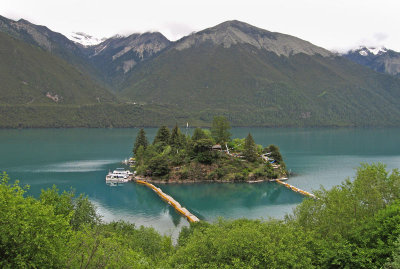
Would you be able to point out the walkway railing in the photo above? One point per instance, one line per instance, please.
(293, 188)
(171, 201)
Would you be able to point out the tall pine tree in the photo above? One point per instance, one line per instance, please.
(250, 149)
(220, 130)
(177, 138)
(162, 136)
(198, 134)
(141, 140)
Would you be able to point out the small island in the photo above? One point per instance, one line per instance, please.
(207, 155)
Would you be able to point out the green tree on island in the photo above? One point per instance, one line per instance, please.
(177, 139)
(275, 153)
(141, 140)
(220, 130)
(250, 149)
(162, 136)
(199, 134)
(183, 157)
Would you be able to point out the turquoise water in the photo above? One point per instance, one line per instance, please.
(80, 159)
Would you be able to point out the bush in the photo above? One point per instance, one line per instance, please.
(242, 244)
(184, 173)
(31, 234)
(179, 158)
(158, 166)
(205, 157)
(260, 172)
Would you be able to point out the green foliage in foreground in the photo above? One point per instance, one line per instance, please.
(60, 231)
(353, 225)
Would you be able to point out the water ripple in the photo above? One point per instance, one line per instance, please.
(71, 166)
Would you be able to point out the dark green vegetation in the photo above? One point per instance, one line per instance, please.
(60, 231)
(28, 74)
(175, 157)
(52, 42)
(145, 80)
(259, 88)
(353, 225)
(90, 115)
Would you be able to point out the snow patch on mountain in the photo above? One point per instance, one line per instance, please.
(84, 39)
(365, 51)
(377, 50)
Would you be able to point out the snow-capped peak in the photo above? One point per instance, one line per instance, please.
(365, 51)
(85, 39)
(377, 50)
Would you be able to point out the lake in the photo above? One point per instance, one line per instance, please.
(80, 159)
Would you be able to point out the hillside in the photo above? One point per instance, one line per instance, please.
(256, 77)
(52, 42)
(30, 75)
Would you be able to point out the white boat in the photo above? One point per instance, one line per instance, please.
(119, 175)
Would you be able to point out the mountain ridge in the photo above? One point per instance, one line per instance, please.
(253, 76)
(236, 32)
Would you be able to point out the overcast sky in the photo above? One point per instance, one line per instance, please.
(332, 24)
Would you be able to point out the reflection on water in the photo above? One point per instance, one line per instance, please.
(233, 200)
(80, 159)
(65, 167)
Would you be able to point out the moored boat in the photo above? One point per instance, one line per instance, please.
(119, 175)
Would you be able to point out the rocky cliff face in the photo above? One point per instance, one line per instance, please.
(41, 36)
(379, 59)
(116, 56)
(235, 32)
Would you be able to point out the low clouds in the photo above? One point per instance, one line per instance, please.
(380, 37)
(176, 30)
(375, 40)
(337, 24)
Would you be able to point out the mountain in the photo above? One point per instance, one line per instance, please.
(116, 56)
(30, 75)
(262, 78)
(105, 60)
(253, 76)
(39, 89)
(232, 33)
(379, 59)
